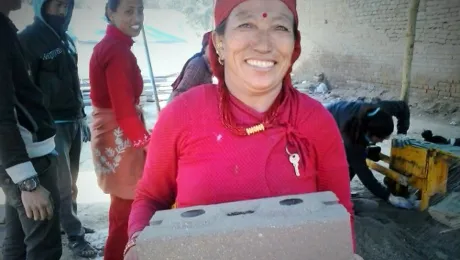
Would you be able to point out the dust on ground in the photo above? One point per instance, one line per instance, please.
(385, 233)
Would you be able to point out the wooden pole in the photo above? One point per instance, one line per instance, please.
(212, 15)
(409, 53)
(152, 78)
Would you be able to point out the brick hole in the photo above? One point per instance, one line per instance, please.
(192, 213)
(290, 202)
(156, 222)
(236, 213)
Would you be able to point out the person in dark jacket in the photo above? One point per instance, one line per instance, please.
(28, 171)
(363, 124)
(53, 60)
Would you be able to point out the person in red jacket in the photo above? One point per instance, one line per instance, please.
(119, 136)
(253, 135)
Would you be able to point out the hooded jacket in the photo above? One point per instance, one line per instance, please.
(53, 60)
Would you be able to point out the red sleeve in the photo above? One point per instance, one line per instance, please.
(157, 188)
(333, 173)
(120, 77)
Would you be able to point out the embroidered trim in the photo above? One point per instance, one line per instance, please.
(143, 142)
(108, 162)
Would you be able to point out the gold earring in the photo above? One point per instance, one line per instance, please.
(220, 60)
(218, 50)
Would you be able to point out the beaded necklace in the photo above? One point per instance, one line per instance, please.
(228, 119)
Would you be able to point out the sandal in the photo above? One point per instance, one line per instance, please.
(82, 248)
(86, 229)
(89, 230)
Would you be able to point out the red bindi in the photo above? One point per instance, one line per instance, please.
(264, 15)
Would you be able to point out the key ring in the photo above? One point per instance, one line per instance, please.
(287, 151)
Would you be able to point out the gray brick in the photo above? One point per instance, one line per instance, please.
(316, 228)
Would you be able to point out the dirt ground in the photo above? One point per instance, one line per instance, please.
(382, 232)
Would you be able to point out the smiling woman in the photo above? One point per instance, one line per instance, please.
(119, 136)
(253, 135)
(126, 15)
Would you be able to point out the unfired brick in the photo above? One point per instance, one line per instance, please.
(302, 227)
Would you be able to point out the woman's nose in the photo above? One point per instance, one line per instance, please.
(262, 41)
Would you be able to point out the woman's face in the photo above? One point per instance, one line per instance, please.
(257, 45)
(128, 17)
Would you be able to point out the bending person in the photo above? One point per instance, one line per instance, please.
(362, 125)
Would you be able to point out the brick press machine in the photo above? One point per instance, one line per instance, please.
(423, 166)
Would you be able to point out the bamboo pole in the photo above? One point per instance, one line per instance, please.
(409, 53)
(152, 78)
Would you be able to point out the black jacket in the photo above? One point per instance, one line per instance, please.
(343, 111)
(22, 112)
(53, 61)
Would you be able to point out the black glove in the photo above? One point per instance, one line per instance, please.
(373, 153)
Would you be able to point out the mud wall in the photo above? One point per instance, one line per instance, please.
(360, 43)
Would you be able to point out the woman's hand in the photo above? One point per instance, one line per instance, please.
(357, 257)
(131, 250)
(131, 254)
(400, 202)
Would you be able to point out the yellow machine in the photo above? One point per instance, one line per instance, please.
(420, 165)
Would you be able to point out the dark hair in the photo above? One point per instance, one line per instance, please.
(372, 121)
(220, 29)
(111, 5)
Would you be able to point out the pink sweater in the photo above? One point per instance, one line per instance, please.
(193, 160)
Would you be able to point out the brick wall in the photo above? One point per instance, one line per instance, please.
(359, 43)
